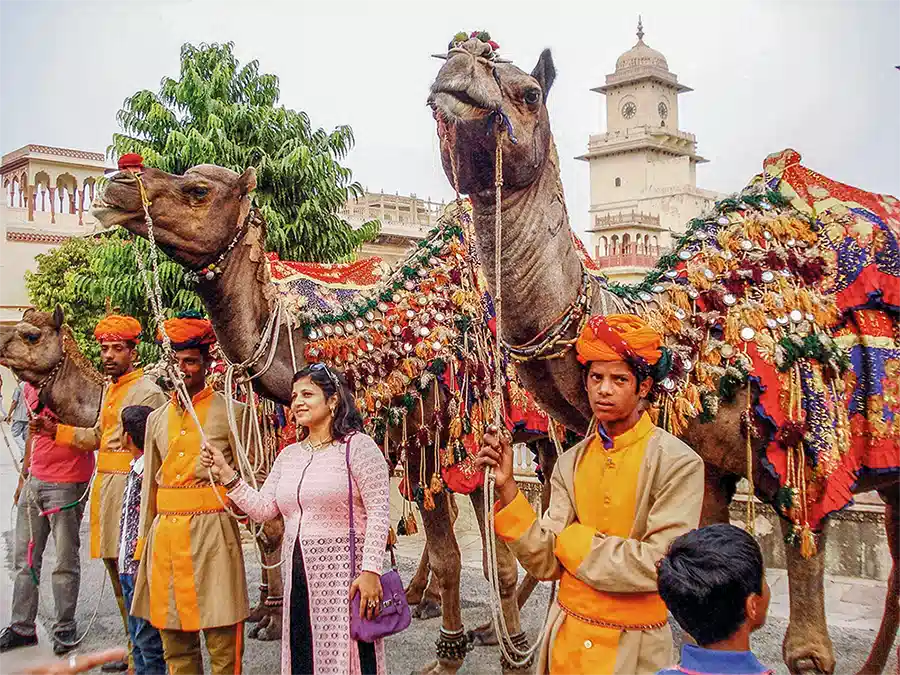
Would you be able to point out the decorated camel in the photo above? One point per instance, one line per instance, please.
(415, 344)
(779, 307)
(41, 350)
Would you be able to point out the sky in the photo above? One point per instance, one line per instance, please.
(815, 75)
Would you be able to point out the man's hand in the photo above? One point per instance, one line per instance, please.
(212, 458)
(42, 426)
(496, 452)
(79, 664)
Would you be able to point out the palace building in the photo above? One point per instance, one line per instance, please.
(643, 170)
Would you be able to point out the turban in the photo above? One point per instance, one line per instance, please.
(118, 327)
(618, 337)
(187, 331)
(131, 161)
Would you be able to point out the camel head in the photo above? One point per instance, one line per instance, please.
(33, 348)
(195, 216)
(473, 94)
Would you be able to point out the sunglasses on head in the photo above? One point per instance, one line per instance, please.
(318, 367)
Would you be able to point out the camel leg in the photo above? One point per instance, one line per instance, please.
(807, 646)
(271, 629)
(424, 591)
(891, 618)
(716, 496)
(546, 457)
(416, 588)
(445, 561)
(259, 611)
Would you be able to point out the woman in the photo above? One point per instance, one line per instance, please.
(308, 486)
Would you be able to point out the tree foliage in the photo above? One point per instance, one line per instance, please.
(217, 112)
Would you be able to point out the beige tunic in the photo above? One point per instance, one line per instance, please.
(668, 504)
(191, 574)
(112, 461)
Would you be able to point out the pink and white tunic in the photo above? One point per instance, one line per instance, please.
(310, 490)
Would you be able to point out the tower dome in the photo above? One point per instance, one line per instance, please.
(641, 55)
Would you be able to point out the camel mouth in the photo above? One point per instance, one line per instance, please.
(458, 106)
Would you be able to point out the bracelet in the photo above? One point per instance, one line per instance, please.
(235, 479)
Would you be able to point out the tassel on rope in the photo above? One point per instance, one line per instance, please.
(411, 526)
(391, 538)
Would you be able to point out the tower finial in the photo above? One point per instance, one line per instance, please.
(640, 30)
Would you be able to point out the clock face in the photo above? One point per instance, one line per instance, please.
(663, 110)
(629, 110)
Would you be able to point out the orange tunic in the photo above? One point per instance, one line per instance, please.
(606, 485)
(113, 462)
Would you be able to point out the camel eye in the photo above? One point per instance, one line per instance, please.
(31, 338)
(199, 192)
(532, 96)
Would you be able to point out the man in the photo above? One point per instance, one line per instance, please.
(53, 477)
(617, 501)
(118, 337)
(191, 573)
(18, 417)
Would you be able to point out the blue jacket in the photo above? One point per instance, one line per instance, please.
(700, 661)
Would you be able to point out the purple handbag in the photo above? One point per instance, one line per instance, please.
(394, 615)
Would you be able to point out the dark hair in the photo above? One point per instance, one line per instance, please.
(134, 423)
(346, 417)
(706, 578)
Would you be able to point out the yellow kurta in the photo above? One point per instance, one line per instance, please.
(612, 515)
(113, 462)
(191, 574)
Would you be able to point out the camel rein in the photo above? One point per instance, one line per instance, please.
(268, 342)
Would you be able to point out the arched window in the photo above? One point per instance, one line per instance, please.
(615, 244)
(626, 244)
(655, 244)
(618, 182)
(604, 247)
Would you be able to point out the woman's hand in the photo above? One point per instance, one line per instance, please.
(496, 452)
(212, 458)
(79, 664)
(368, 585)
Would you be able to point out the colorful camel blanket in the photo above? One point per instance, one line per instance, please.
(787, 295)
(399, 333)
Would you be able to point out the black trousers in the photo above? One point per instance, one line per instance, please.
(301, 628)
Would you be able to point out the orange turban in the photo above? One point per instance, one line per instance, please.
(118, 327)
(617, 336)
(187, 332)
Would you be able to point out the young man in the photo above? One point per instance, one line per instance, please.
(147, 648)
(53, 476)
(617, 501)
(18, 417)
(191, 574)
(713, 581)
(118, 337)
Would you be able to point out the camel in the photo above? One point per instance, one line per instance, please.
(41, 350)
(204, 220)
(473, 96)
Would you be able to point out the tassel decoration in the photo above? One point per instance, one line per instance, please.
(411, 525)
(428, 500)
(391, 538)
(437, 485)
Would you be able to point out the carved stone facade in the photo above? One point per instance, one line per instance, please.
(643, 169)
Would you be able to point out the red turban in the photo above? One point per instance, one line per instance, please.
(131, 161)
(188, 332)
(117, 327)
(617, 336)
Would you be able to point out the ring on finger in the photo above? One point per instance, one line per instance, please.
(73, 663)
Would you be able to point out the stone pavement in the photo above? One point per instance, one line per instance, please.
(854, 607)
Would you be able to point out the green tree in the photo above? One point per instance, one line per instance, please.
(217, 112)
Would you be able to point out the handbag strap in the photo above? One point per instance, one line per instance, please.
(352, 523)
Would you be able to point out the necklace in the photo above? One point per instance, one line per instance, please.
(313, 447)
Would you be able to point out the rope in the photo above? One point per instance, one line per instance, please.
(516, 656)
(273, 325)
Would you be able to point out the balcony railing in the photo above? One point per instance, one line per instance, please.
(619, 219)
(627, 260)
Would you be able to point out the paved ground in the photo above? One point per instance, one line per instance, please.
(854, 608)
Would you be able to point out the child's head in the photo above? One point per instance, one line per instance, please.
(134, 426)
(713, 582)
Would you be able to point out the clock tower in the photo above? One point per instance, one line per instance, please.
(643, 169)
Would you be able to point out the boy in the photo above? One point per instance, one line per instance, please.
(147, 648)
(713, 581)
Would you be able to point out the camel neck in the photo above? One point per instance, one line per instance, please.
(73, 395)
(238, 304)
(540, 266)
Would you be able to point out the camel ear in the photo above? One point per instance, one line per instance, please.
(247, 181)
(545, 72)
(59, 318)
